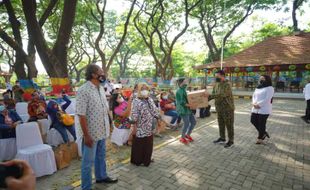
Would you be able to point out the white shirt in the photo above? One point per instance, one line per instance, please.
(8, 86)
(92, 103)
(263, 97)
(307, 92)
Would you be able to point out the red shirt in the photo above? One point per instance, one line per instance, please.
(163, 103)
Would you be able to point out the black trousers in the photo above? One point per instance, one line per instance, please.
(308, 110)
(259, 121)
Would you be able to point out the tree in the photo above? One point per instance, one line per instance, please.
(156, 21)
(54, 58)
(98, 15)
(21, 57)
(219, 19)
(7, 56)
(296, 5)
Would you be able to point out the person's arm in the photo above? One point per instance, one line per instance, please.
(135, 111)
(67, 104)
(17, 117)
(81, 109)
(269, 95)
(30, 110)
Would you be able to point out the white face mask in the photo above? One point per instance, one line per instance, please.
(145, 93)
(165, 97)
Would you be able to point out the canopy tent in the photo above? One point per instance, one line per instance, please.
(282, 53)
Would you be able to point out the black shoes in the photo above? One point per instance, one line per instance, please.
(266, 135)
(220, 141)
(107, 180)
(228, 144)
(305, 119)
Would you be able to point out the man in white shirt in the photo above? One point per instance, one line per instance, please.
(306, 118)
(92, 109)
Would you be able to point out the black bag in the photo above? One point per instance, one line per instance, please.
(205, 112)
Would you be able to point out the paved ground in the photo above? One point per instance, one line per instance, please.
(283, 163)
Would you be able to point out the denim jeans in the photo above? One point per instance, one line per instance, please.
(189, 124)
(95, 154)
(62, 129)
(175, 116)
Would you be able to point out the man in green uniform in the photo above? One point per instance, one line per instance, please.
(224, 104)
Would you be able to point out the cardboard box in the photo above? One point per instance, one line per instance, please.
(198, 99)
(62, 156)
(73, 148)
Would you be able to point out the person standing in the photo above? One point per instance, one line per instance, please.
(224, 104)
(306, 92)
(92, 109)
(144, 111)
(9, 88)
(18, 92)
(262, 107)
(183, 109)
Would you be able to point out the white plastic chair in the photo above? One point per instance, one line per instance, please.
(31, 148)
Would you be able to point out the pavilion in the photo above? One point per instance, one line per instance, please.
(271, 56)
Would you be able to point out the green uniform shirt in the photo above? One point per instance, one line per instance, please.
(222, 93)
(181, 101)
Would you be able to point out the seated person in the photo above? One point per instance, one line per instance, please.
(54, 110)
(171, 95)
(9, 119)
(169, 109)
(9, 102)
(121, 112)
(36, 108)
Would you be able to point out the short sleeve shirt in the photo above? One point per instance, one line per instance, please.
(92, 103)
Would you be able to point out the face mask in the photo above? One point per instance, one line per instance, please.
(218, 79)
(165, 97)
(101, 78)
(145, 93)
(135, 94)
(2, 108)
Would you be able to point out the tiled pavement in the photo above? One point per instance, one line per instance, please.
(283, 163)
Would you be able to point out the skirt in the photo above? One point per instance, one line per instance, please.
(141, 150)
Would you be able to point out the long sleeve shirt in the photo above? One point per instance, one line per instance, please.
(222, 94)
(181, 101)
(307, 92)
(144, 111)
(263, 98)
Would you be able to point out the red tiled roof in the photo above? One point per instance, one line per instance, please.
(281, 50)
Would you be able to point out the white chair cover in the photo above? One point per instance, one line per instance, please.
(120, 136)
(22, 108)
(71, 108)
(31, 148)
(7, 149)
(54, 138)
(166, 119)
(45, 123)
(24, 117)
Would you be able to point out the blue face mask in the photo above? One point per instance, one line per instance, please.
(2, 108)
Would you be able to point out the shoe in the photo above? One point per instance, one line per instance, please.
(267, 135)
(189, 138)
(228, 144)
(305, 119)
(158, 135)
(259, 141)
(107, 180)
(220, 141)
(183, 140)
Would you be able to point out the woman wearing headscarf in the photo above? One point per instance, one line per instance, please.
(262, 107)
(144, 111)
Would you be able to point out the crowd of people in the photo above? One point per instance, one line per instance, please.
(100, 107)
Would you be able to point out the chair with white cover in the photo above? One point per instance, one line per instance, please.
(31, 149)
(22, 110)
(7, 149)
(45, 123)
(71, 108)
(54, 138)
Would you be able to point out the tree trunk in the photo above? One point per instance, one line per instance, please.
(296, 5)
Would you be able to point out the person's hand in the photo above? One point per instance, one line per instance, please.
(88, 141)
(14, 125)
(256, 106)
(26, 182)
